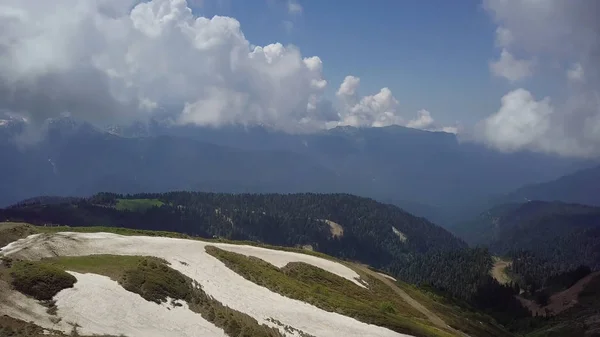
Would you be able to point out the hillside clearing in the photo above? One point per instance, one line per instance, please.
(137, 205)
(227, 287)
(498, 270)
(337, 231)
(560, 301)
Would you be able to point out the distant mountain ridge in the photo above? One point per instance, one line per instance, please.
(431, 174)
(581, 187)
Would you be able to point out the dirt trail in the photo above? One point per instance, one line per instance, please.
(435, 319)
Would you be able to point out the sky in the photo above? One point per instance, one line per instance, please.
(390, 43)
(511, 74)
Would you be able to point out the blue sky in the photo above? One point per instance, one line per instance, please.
(433, 55)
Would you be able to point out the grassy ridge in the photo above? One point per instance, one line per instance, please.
(377, 305)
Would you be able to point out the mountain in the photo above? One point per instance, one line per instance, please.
(91, 281)
(432, 174)
(561, 235)
(580, 187)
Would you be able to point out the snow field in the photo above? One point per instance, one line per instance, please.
(101, 306)
(218, 281)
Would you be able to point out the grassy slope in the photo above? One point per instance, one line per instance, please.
(456, 316)
(377, 305)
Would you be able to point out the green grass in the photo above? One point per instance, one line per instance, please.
(137, 205)
(456, 315)
(39, 280)
(112, 266)
(378, 305)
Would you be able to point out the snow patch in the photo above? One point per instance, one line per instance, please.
(218, 281)
(99, 305)
(387, 276)
(399, 234)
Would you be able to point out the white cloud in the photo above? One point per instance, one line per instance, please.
(113, 61)
(118, 61)
(510, 68)
(294, 8)
(550, 32)
(423, 120)
(521, 122)
(378, 110)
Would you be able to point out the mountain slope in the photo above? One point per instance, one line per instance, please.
(581, 319)
(343, 283)
(563, 235)
(580, 187)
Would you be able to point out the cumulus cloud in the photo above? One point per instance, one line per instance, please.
(510, 68)
(423, 120)
(113, 61)
(118, 61)
(380, 109)
(551, 32)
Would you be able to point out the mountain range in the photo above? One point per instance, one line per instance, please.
(431, 174)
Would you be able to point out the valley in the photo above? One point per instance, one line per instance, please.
(297, 168)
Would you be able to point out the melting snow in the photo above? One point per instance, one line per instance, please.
(101, 306)
(399, 234)
(216, 280)
(387, 276)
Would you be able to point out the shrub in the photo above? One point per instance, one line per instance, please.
(156, 281)
(38, 280)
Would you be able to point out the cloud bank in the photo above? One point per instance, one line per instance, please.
(558, 34)
(119, 61)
